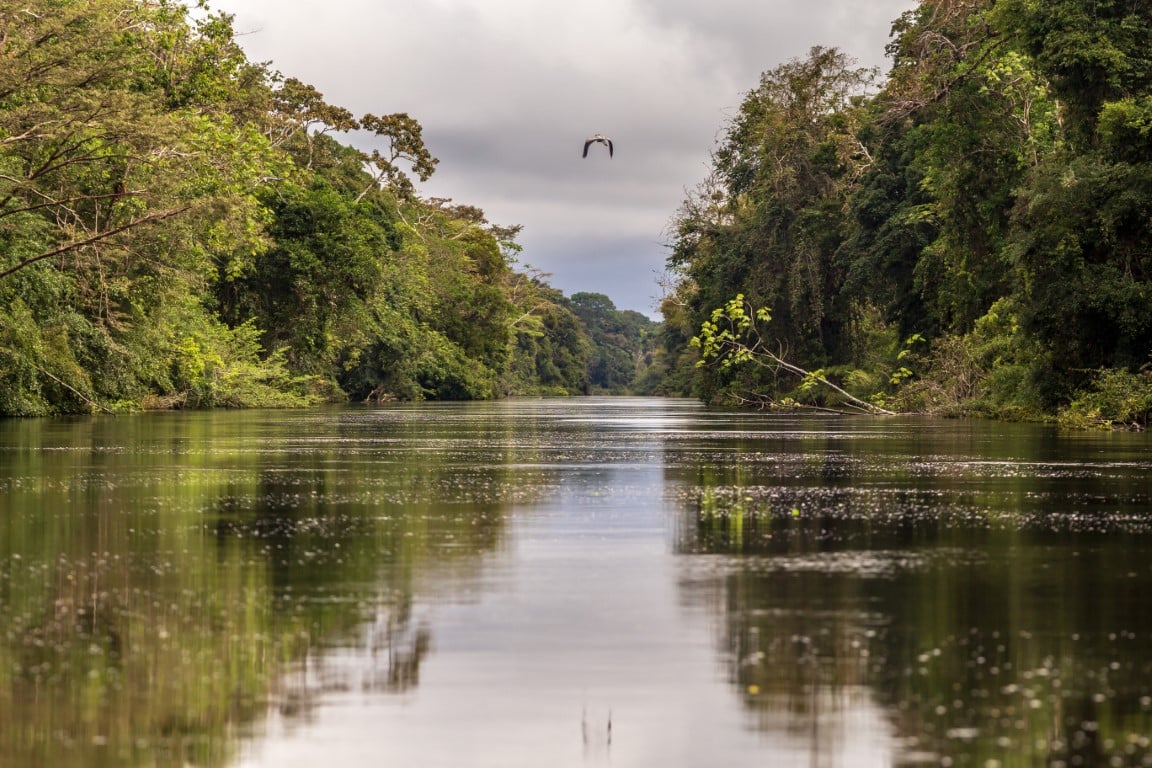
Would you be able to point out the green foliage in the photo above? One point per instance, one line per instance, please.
(408, 360)
(729, 338)
(403, 136)
(180, 228)
(622, 343)
(221, 367)
(1082, 251)
(31, 362)
(892, 221)
(1126, 129)
(1091, 52)
(768, 221)
(732, 338)
(1114, 398)
(993, 201)
(309, 290)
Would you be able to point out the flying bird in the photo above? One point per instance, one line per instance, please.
(598, 138)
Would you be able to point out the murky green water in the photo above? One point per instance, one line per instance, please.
(493, 584)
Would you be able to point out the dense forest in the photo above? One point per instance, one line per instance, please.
(181, 227)
(971, 234)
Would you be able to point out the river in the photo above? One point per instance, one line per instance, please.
(572, 582)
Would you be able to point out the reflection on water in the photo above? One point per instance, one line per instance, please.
(575, 582)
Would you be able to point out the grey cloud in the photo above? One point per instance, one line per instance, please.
(507, 95)
(625, 269)
(757, 36)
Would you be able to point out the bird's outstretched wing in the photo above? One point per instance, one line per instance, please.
(598, 138)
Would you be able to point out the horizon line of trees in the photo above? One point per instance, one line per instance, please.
(182, 227)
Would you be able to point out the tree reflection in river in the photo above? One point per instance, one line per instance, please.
(163, 578)
(999, 613)
(483, 584)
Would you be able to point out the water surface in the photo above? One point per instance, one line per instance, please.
(493, 584)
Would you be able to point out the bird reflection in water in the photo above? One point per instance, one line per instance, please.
(596, 740)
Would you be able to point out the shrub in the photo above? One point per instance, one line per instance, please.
(1116, 397)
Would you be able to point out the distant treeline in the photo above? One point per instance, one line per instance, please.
(971, 235)
(179, 228)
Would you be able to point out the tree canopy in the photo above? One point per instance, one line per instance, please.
(970, 235)
(182, 227)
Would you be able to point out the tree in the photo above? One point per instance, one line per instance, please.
(310, 288)
(181, 227)
(957, 129)
(622, 342)
(770, 217)
(95, 139)
(1082, 244)
(551, 355)
(732, 337)
(74, 133)
(404, 140)
(115, 196)
(1092, 52)
(1083, 221)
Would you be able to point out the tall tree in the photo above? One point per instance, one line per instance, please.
(115, 196)
(1084, 222)
(960, 124)
(770, 218)
(182, 227)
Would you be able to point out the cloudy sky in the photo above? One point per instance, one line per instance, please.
(507, 91)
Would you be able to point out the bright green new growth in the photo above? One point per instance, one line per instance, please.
(732, 337)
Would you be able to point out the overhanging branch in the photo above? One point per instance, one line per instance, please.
(149, 219)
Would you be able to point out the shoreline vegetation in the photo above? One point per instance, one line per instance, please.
(968, 235)
(181, 227)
